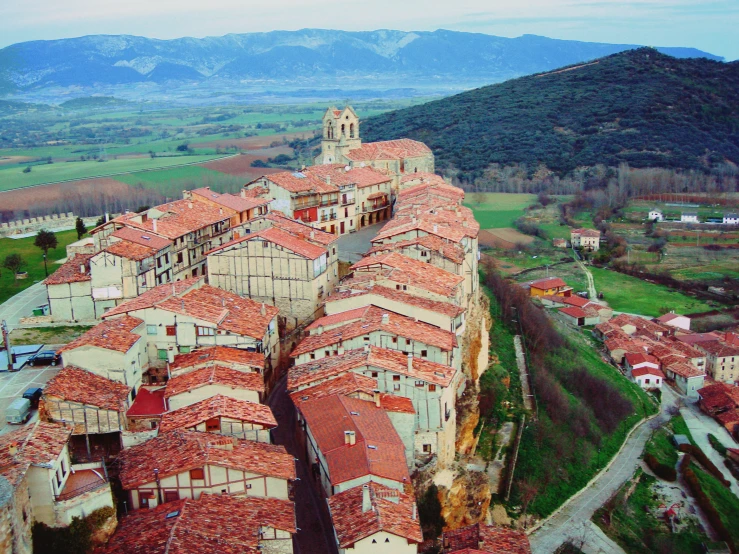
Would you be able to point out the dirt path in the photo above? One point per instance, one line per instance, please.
(521, 363)
(591, 282)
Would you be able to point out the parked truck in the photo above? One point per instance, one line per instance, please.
(19, 411)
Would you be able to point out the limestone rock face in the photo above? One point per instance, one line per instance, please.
(466, 501)
(468, 416)
(105, 531)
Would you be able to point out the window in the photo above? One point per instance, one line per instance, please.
(265, 244)
(424, 253)
(374, 374)
(213, 424)
(197, 474)
(395, 340)
(205, 331)
(312, 355)
(162, 354)
(396, 377)
(151, 329)
(334, 251)
(419, 383)
(646, 381)
(424, 353)
(432, 388)
(427, 448)
(327, 353)
(171, 331)
(171, 496)
(195, 272)
(153, 424)
(396, 387)
(179, 257)
(184, 349)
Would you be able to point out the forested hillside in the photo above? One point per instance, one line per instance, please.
(639, 107)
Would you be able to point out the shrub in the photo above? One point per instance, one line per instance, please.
(259, 163)
(429, 513)
(716, 444)
(663, 471)
(703, 460)
(705, 503)
(733, 468)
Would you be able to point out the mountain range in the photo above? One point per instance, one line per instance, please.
(310, 56)
(639, 107)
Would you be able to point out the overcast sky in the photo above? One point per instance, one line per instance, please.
(711, 25)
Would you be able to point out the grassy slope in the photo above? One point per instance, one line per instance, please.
(495, 210)
(630, 294)
(13, 177)
(34, 261)
(725, 502)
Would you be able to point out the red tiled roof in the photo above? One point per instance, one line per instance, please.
(372, 321)
(546, 284)
(684, 369)
(378, 450)
(148, 402)
(389, 150)
(154, 296)
(214, 375)
(231, 201)
(361, 177)
(114, 334)
(226, 310)
(392, 512)
(408, 271)
(301, 229)
(640, 371)
(212, 354)
(585, 232)
(77, 385)
(177, 218)
(573, 311)
(130, 250)
(636, 358)
(451, 251)
(317, 371)
(218, 406)
(340, 318)
(179, 451)
(298, 245)
(573, 300)
(719, 349)
(69, 271)
(720, 396)
(301, 181)
(38, 444)
(486, 539)
(139, 237)
(450, 310)
(452, 225)
(666, 318)
(213, 524)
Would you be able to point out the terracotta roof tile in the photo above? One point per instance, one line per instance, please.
(141, 238)
(38, 444)
(453, 225)
(114, 334)
(316, 372)
(154, 296)
(549, 283)
(388, 150)
(573, 311)
(179, 451)
(486, 539)
(360, 177)
(408, 271)
(640, 371)
(301, 181)
(69, 271)
(212, 375)
(224, 355)
(375, 319)
(450, 251)
(130, 250)
(684, 369)
(231, 201)
(450, 310)
(301, 229)
(77, 385)
(299, 245)
(174, 219)
(338, 319)
(392, 511)
(378, 450)
(218, 406)
(213, 524)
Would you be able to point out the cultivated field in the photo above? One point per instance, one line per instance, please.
(504, 238)
(495, 210)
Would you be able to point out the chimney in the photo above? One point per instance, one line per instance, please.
(341, 350)
(346, 437)
(376, 395)
(366, 501)
(243, 193)
(319, 330)
(464, 223)
(263, 311)
(220, 211)
(328, 179)
(385, 319)
(107, 217)
(415, 512)
(154, 223)
(410, 361)
(189, 205)
(352, 438)
(312, 234)
(436, 228)
(13, 448)
(371, 282)
(82, 268)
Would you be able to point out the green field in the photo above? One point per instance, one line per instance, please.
(556, 231)
(34, 261)
(632, 295)
(155, 178)
(497, 210)
(12, 176)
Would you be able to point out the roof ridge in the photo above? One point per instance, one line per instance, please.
(174, 527)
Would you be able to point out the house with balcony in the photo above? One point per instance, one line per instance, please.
(375, 518)
(46, 485)
(183, 464)
(213, 523)
(240, 207)
(431, 387)
(182, 316)
(287, 264)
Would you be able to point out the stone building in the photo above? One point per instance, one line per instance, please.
(69, 290)
(587, 239)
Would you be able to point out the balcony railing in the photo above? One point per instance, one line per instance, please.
(331, 202)
(347, 201)
(329, 217)
(375, 207)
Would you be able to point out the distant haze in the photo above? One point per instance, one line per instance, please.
(710, 25)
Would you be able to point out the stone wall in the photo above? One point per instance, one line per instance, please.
(50, 222)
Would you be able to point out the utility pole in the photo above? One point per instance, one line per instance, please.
(6, 341)
(46, 271)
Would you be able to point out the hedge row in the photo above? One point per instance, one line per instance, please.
(733, 468)
(705, 503)
(703, 460)
(663, 471)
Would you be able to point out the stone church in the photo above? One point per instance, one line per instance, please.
(341, 144)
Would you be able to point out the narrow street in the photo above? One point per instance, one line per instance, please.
(22, 304)
(315, 531)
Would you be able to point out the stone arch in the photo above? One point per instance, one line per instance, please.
(351, 130)
(343, 129)
(329, 130)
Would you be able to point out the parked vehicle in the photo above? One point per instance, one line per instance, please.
(19, 411)
(45, 357)
(33, 395)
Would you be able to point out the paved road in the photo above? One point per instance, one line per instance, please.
(573, 522)
(315, 532)
(354, 245)
(22, 304)
(13, 385)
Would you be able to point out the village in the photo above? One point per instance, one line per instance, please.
(246, 388)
